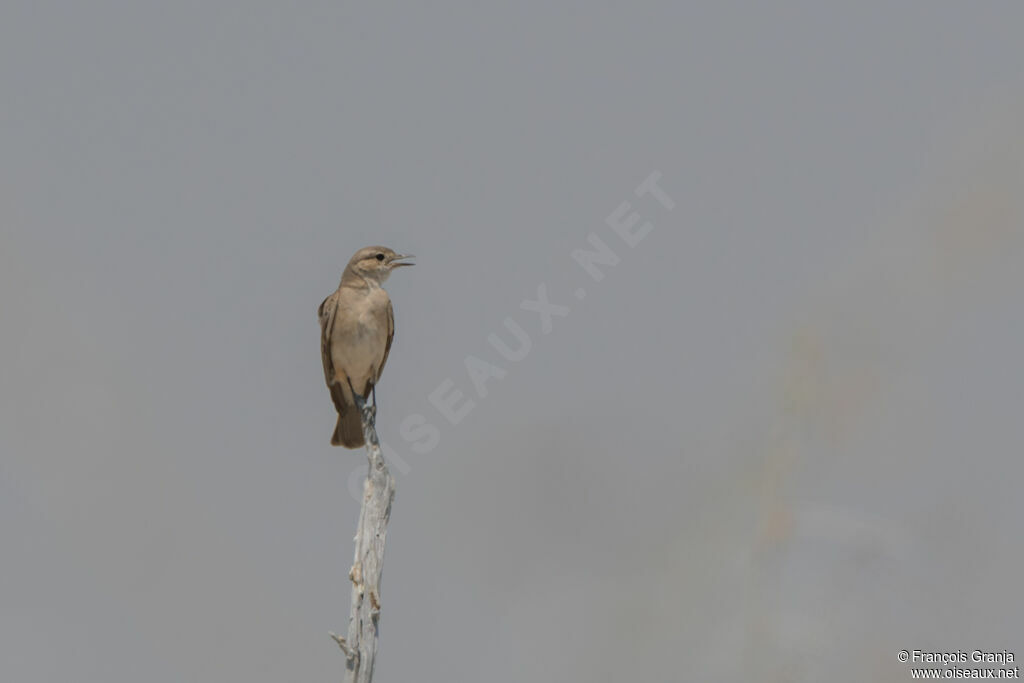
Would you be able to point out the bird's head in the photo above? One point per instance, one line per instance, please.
(376, 263)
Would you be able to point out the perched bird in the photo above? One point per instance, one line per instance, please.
(357, 325)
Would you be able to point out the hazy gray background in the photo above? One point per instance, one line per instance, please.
(783, 435)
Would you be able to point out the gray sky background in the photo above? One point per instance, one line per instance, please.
(779, 441)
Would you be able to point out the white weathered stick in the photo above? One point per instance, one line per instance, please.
(360, 647)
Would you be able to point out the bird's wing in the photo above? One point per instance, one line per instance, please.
(328, 309)
(391, 336)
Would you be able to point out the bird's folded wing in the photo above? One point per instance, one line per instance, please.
(328, 309)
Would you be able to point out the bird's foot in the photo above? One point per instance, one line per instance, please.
(369, 412)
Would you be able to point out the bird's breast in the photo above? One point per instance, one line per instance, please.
(360, 332)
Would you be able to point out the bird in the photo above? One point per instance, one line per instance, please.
(357, 325)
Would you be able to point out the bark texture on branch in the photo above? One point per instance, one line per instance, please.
(360, 647)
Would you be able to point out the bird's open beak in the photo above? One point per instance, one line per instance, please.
(397, 260)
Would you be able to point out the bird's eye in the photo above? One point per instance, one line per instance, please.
(380, 257)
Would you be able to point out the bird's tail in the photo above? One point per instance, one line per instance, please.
(349, 430)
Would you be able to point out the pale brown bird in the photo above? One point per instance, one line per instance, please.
(357, 325)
